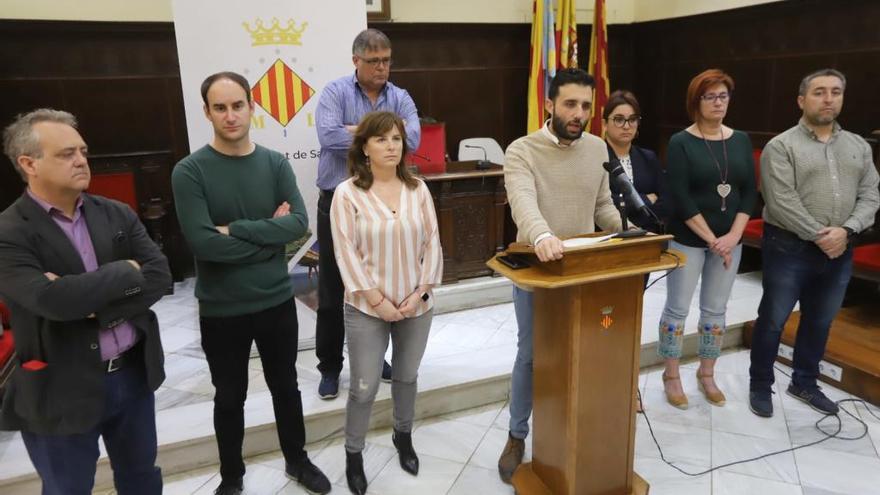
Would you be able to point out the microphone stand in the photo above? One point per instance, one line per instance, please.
(483, 164)
(413, 167)
(620, 204)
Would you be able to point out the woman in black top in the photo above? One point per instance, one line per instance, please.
(622, 118)
(711, 183)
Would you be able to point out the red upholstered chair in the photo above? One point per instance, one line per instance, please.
(753, 232)
(756, 154)
(119, 186)
(7, 348)
(5, 318)
(755, 228)
(866, 262)
(431, 155)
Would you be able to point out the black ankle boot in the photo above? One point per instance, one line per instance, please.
(354, 473)
(409, 461)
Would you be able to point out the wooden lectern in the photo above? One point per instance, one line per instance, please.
(587, 342)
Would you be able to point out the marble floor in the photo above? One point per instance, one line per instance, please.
(453, 335)
(459, 452)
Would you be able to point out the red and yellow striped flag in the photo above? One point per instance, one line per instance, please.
(566, 34)
(281, 92)
(599, 66)
(542, 64)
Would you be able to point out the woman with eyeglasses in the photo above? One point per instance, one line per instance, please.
(710, 178)
(622, 118)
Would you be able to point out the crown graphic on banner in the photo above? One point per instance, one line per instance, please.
(275, 35)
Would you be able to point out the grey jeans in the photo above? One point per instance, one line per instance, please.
(367, 342)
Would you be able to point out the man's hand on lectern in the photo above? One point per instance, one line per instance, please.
(550, 248)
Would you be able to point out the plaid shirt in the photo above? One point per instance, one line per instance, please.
(808, 184)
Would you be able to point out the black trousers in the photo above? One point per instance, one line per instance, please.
(227, 344)
(330, 326)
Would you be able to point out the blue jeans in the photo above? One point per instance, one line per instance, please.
(521, 379)
(714, 294)
(66, 463)
(796, 270)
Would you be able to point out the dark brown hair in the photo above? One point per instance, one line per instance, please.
(698, 86)
(621, 97)
(232, 76)
(376, 124)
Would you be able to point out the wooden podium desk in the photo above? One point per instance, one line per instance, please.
(470, 212)
(587, 341)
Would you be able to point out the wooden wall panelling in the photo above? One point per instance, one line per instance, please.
(136, 109)
(463, 115)
(788, 72)
(468, 75)
(768, 49)
(20, 98)
(513, 113)
(122, 82)
(861, 107)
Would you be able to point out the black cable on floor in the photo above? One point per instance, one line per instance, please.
(828, 436)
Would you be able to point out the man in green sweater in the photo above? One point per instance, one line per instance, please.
(238, 206)
(557, 188)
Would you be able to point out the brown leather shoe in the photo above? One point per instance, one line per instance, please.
(715, 398)
(679, 401)
(511, 457)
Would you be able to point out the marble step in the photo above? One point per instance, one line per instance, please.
(446, 384)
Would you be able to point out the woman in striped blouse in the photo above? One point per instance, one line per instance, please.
(388, 251)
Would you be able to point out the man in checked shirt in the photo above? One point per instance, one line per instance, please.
(820, 188)
(343, 103)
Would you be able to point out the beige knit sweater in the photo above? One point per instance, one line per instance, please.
(556, 188)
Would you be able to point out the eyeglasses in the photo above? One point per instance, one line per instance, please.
(375, 62)
(722, 97)
(620, 120)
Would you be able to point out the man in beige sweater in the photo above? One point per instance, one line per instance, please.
(557, 189)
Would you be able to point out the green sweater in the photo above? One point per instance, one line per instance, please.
(692, 178)
(244, 272)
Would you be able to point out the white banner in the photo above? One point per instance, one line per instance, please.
(288, 50)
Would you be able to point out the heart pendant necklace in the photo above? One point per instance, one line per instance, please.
(723, 188)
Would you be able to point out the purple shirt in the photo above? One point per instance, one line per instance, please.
(343, 103)
(115, 340)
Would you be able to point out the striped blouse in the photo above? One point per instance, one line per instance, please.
(378, 249)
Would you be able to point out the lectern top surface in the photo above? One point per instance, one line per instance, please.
(523, 248)
(535, 277)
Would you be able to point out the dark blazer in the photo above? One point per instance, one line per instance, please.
(648, 178)
(51, 318)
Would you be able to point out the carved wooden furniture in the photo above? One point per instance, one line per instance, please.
(587, 342)
(470, 208)
(143, 181)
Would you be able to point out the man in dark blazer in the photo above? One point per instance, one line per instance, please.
(79, 274)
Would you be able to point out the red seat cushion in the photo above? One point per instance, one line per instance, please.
(118, 186)
(4, 316)
(754, 229)
(867, 257)
(756, 155)
(7, 346)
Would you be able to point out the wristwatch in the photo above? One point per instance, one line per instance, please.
(426, 296)
(849, 232)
